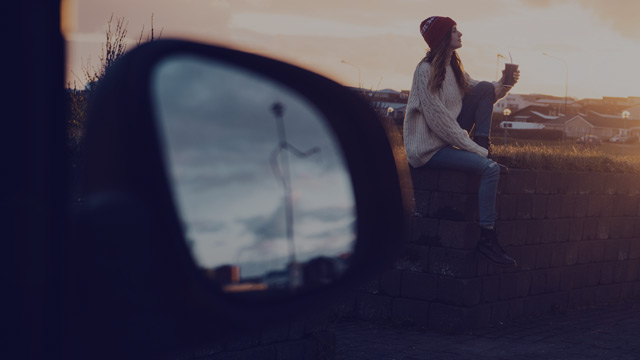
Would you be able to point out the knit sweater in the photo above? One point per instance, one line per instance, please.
(431, 122)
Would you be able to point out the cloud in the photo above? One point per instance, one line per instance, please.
(329, 214)
(378, 13)
(269, 227)
(273, 226)
(345, 231)
(620, 15)
(173, 17)
(206, 226)
(204, 182)
(540, 3)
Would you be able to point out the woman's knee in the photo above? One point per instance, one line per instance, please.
(491, 169)
(485, 88)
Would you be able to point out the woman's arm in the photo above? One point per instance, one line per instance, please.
(500, 89)
(438, 118)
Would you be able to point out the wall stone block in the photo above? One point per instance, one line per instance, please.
(581, 206)
(452, 181)
(608, 205)
(603, 228)
(490, 288)
(595, 205)
(424, 178)
(425, 231)
(543, 182)
(506, 207)
(413, 258)
(465, 292)
(606, 272)
(539, 207)
(576, 229)
(544, 254)
(562, 230)
(419, 286)
(421, 203)
(458, 235)
(453, 262)
(520, 182)
(594, 274)
(634, 248)
(453, 206)
(572, 251)
(524, 207)
(554, 206)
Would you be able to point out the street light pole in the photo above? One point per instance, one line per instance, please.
(357, 68)
(506, 112)
(566, 86)
(625, 116)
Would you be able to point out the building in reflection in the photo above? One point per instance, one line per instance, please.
(317, 271)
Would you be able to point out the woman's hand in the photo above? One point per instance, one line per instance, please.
(516, 77)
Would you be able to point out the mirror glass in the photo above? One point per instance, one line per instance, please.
(260, 182)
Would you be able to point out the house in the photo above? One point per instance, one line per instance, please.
(558, 123)
(536, 114)
(604, 126)
(620, 101)
(514, 102)
(634, 112)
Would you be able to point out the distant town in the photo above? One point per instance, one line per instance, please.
(317, 271)
(607, 118)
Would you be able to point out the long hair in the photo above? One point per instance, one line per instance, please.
(437, 58)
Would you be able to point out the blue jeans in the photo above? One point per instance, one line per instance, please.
(477, 108)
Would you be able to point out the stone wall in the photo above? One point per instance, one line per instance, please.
(576, 237)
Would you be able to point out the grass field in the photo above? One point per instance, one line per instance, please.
(568, 156)
(553, 155)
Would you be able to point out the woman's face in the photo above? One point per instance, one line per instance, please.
(456, 39)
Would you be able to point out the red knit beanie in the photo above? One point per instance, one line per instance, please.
(434, 29)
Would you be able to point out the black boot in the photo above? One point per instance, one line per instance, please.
(489, 247)
(485, 142)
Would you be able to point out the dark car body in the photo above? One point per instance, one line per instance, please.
(589, 140)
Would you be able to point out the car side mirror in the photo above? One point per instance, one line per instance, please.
(231, 186)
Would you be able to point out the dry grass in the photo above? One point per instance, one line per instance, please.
(567, 157)
(552, 155)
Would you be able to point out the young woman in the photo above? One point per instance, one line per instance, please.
(444, 105)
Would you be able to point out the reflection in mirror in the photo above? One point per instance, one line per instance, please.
(259, 180)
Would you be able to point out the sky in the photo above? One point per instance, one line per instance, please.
(220, 138)
(376, 43)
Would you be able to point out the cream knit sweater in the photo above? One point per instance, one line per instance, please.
(430, 120)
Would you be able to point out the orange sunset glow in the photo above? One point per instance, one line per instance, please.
(377, 43)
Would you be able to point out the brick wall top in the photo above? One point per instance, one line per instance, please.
(521, 182)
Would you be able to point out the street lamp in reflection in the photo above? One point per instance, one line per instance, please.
(506, 112)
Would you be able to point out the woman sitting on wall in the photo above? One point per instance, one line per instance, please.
(444, 105)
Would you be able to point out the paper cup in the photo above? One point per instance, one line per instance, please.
(509, 69)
